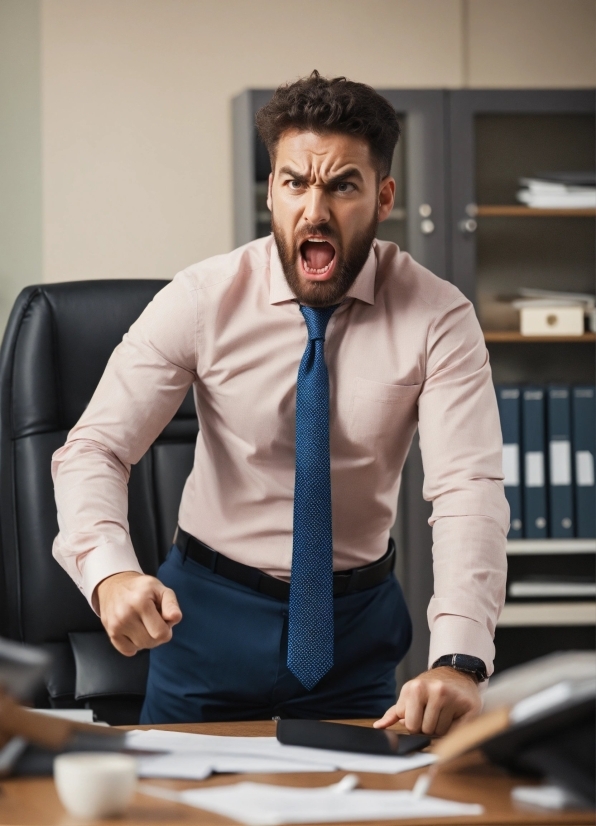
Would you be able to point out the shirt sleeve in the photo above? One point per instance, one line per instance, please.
(461, 443)
(144, 383)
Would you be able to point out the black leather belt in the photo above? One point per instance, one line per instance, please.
(344, 582)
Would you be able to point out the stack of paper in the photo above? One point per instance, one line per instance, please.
(580, 305)
(196, 756)
(570, 190)
(553, 298)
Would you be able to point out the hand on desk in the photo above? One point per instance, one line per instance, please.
(431, 702)
(137, 611)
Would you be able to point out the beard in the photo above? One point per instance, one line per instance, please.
(349, 262)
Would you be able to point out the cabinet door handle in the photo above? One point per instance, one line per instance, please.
(467, 226)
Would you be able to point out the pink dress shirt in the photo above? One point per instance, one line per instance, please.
(403, 350)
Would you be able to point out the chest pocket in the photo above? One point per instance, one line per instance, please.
(379, 410)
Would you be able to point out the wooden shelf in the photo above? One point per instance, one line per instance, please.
(512, 336)
(506, 211)
(522, 547)
(549, 614)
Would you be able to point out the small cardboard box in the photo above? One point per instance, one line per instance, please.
(552, 321)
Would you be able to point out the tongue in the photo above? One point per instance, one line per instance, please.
(317, 254)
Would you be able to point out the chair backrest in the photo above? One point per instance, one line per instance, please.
(57, 343)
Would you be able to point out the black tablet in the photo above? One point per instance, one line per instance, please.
(342, 737)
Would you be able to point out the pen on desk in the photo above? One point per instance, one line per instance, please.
(346, 784)
(422, 785)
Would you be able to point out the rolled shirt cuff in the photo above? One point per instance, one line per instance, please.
(451, 634)
(102, 562)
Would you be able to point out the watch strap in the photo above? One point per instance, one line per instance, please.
(463, 662)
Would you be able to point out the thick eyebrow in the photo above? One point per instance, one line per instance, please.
(352, 172)
(287, 170)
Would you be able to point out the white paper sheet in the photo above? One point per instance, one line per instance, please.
(189, 765)
(252, 754)
(257, 804)
(170, 741)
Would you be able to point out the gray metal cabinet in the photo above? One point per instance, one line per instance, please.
(497, 136)
(498, 246)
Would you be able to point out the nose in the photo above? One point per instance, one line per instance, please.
(316, 210)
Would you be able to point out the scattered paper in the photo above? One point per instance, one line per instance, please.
(258, 804)
(546, 797)
(169, 741)
(188, 765)
(195, 756)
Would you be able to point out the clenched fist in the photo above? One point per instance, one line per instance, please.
(137, 611)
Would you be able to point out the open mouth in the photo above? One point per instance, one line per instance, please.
(317, 256)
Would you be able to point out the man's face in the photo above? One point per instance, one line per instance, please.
(326, 202)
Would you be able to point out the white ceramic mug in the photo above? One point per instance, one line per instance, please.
(95, 784)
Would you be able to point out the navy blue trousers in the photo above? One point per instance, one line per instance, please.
(227, 657)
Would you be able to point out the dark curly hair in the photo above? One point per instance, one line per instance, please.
(319, 104)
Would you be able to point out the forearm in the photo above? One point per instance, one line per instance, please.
(461, 443)
(91, 488)
(470, 570)
(143, 385)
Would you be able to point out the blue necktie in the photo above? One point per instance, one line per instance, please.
(310, 627)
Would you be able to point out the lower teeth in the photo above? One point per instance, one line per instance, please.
(313, 271)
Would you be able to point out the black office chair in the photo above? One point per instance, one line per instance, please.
(57, 343)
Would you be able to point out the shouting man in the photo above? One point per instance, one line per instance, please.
(314, 355)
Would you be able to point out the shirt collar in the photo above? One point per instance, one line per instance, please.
(363, 287)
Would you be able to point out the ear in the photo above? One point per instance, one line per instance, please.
(386, 197)
(269, 188)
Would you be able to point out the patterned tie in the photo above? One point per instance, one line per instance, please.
(310, 627)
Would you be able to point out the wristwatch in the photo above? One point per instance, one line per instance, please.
(462, 662)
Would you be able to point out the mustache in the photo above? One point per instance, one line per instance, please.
(319, 231)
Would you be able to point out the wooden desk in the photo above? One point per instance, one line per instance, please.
(33, 802)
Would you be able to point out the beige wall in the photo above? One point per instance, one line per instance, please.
(20, 151)
(136, 132)
(137, 142)
(533, 43)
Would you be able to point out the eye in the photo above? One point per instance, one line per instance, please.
(295, 185)
(345, 186)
